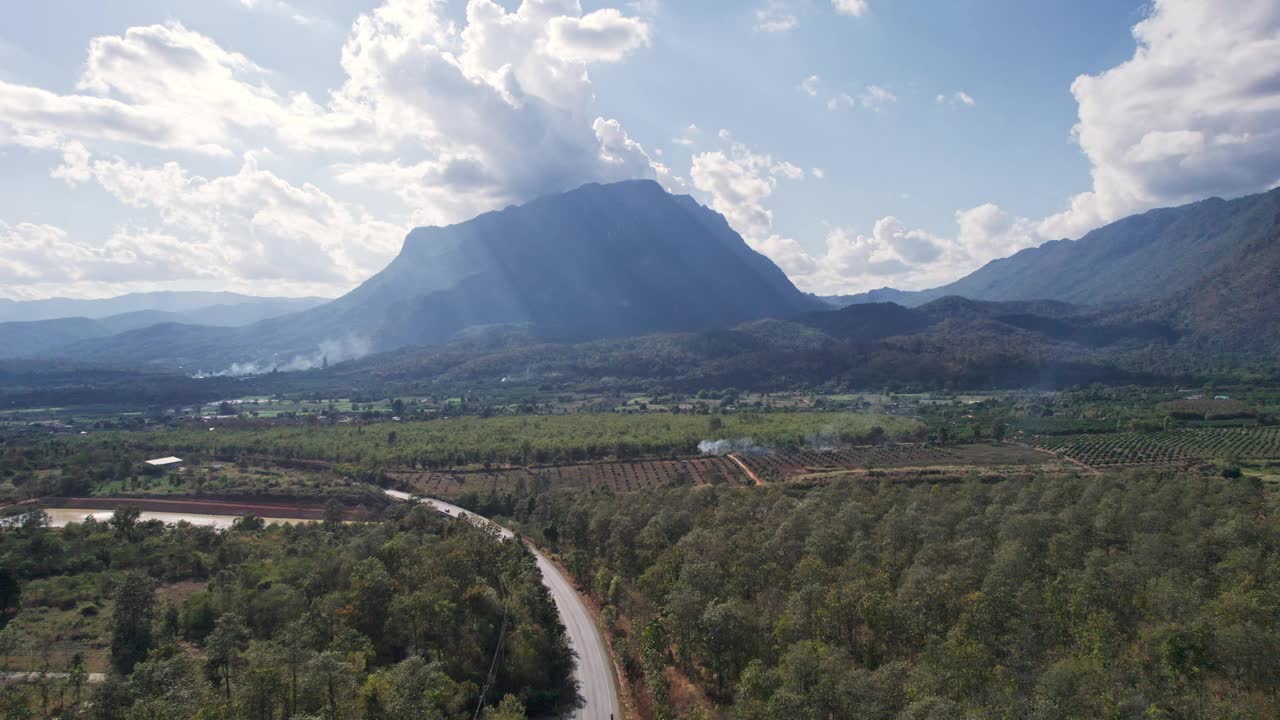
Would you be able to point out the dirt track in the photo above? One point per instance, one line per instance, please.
(745, 469)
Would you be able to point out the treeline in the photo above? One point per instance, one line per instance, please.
(1146, 595)
(516, 440)
(413, 617)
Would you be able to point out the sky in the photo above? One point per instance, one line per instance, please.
(285, 147)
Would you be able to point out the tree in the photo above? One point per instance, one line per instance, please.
(509, 709)
(333, 514)
(77, 675)
(131, 621)
(125, 522)
(224, 645)
(248, 523)
(226, 408)
(298, 639)
(10, 595)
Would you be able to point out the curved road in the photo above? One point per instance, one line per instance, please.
(594, 671)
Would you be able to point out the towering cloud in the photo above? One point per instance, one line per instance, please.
(1195, 112)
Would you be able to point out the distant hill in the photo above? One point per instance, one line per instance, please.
(600, 261)
(53, 336)
(207, 308)
(1144, 258)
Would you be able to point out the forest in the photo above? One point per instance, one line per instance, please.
(1144, 594)
(393, 620)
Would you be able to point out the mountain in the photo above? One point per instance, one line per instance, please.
(44, 337)
(600, 261)
(1144, 258)
(207, 308)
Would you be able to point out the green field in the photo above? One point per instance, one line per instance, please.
(516, 440)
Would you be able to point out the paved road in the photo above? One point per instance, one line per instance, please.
(596, 681)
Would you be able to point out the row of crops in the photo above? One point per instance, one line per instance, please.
(785, 464)
(619, 476)
(650, 474)
(1166, 448)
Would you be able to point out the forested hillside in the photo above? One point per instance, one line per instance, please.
(1141, 595)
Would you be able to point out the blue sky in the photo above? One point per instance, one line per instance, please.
(286, 147)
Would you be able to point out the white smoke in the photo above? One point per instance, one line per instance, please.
(331, 351)
(723, 447)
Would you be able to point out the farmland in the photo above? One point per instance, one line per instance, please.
(1172, 447)
(627, 476)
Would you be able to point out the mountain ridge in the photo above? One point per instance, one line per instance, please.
(1142, 258)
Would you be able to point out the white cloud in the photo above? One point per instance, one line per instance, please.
(896, 255)
(855, 8)
(448, 119)
(168, 87)
(286, 10)
(740, 182)
(775, 16)
(689, 137)
(958, 97)
(250, 226)
(44, 255)
(818, 173)
(602, 36)
(809, 85)
(876, 97)
(872, 97)
(1194, 112)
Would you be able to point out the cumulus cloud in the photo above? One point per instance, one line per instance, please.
(451, 119)
(502, 104)
(809, 86)
(244, 231)
(602, 36)
(254, 225)
(34, 254)
(896, 255)
(1195, 112)
(739, 181)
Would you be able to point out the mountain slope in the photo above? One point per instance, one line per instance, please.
(1142, 258)
(600, 261)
